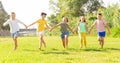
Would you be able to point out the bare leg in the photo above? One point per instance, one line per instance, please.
(66, 41)
(102, 42)
(41, 40)
(15, 43)
(44, 43)
(63, 42)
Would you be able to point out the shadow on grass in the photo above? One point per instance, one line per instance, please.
(56, 52)
(97, 50)
(117, 49)
(30, 50)
(55, 49)
(101, 50)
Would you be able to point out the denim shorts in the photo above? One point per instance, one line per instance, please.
(63, 34)
(101, 34)
(15, 34)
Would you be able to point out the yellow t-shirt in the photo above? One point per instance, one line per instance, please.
(40, 25)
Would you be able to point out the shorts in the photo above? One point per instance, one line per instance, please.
(15, 34)
(63, 34)
(41, 33)
(101, 34)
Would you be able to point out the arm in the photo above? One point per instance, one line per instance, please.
(31, 24)
(48, 26)
(91, 27)
(6, 23)
(70, 29)
(86, 27)
(108, 28)
(76, 27)
(55, 26)
(22, 23)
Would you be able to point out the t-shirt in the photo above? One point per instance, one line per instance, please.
(82, 27)
(14, 25)
(100, 25)
(64, 27)
(40, 25)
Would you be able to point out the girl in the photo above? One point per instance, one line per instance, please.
(82, 29)
(64, 31)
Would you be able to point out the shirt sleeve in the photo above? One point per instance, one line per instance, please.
(45, 22)
(6, 23)
(19, 21)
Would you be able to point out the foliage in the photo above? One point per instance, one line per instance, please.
(3, 17)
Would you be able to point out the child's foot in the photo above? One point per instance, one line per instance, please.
(15, 48)
(40, 49)
(80, 46)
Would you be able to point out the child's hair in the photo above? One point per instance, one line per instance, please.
(100, 14)
(66, 18)
(43, 13)
(80, 19)
(12, 12)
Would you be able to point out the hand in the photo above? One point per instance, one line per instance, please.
(26, 27)
(88, 32)
(108, 32)
(50, 29)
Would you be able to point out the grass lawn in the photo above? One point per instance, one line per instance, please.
(28, 51)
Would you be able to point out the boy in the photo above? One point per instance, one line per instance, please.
(40, 28)
(14, 27)
(100, 25)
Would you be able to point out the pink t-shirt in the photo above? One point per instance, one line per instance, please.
(100, 25)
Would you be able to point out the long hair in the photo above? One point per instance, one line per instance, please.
(81, 17)
(66, 18)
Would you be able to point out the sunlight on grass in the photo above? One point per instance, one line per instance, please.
(28, 51)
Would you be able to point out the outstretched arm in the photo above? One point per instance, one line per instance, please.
(70, 29)
(48, 26)
(6, 23)
(91, 27)
(76, 27)
(86, 27)
(55, 26)
(31, 24)
(108, 28)
(22, 24)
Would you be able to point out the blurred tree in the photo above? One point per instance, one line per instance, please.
(3, 17)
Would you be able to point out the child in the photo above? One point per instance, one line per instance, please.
(40, 28)
(100, 25)
(82, 29)
(14, 27)
(64, 31)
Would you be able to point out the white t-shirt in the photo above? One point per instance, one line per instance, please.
(14, 25)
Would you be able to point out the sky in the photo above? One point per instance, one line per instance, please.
(29, 11)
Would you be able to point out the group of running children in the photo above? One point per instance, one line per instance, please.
(81, 27)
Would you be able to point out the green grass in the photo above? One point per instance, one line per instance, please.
(28, 52)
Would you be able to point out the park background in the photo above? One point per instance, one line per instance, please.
(29, 11)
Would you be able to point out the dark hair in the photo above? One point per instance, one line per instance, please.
(43, 13)
(80, 19)
(12, 12)
(100, 14)
(66, 18)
